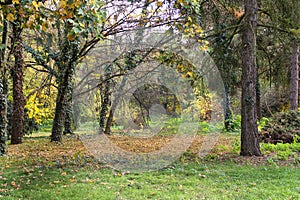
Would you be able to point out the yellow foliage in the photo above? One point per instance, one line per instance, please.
(37, 5)
(10, 17)
(15, 1)
(70, 37)
(159, 3)
(41, 103)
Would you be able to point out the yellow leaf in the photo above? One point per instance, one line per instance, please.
(77, 4)
(62, 4)
(36, 5)
(190, 74)
(159, 4)
(15, 2)
(10, 17)
(70, 37)
(45, 26)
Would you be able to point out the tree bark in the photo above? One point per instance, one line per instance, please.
(109, 122)
(3, 115)
(258, 96)
(294, 81)
(58, 122)
(228, 121)
(69, 110)
(17, 75)
(3, 90)
(249, 132)
(104, 106)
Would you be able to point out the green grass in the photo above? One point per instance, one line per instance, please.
(205, 180)
(220, 175)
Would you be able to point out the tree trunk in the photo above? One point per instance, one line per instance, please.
(3, 114)
(69, 110)
(17, 75)
(249, 132)
(63, 84)
(3, 90)
(104, 106)
(294, 82)
(228, 121)
(258, 107)
(109, 122)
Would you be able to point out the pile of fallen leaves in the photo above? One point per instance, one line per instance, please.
(41, 152)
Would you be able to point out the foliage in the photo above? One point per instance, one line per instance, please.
(282, 128)
(236, 123)
(283, 151)
(29, 124)
(40, 95)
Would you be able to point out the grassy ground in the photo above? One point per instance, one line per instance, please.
(38, 169)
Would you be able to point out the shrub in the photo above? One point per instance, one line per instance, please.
(283, 127)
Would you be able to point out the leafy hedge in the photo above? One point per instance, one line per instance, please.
(283, 127)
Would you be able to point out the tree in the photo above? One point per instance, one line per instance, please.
(17, 15)
(249, 132)
(3, 85)
(17, 75)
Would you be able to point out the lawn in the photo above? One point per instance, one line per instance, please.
(38, 169)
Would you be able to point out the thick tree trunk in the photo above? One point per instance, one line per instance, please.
(58, 122)
(294, 81)
(249, 132)
(18, 97)
(57, 126)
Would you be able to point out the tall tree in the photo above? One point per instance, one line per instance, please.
(294, 68)
(249, 132)
(3, 84)
(17, 75)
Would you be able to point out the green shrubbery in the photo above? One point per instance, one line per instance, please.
(283, 127)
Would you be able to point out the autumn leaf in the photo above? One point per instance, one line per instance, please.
(10, 17)
(70, 37)
(15, 2)
(13, 184)
(35, 4)
(45, 26)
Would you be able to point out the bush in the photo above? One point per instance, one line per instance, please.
(282, 128)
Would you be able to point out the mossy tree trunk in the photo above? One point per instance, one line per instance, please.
(3, 88)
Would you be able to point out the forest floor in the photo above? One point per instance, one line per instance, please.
(38, 169)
